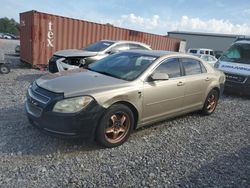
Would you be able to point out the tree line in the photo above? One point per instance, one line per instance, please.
(9, 26)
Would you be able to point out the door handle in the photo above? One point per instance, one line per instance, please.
(207, 79)
(180, 84)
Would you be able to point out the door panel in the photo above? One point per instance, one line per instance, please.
(161, 98)
(196, 80)
(194, 90)
(164, 97)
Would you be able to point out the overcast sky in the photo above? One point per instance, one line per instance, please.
(156, 16)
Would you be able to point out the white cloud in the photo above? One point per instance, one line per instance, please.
(158, 25)
(133, 20)
(211, 25)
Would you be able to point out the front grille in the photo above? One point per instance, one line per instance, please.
(39, 99)
(52, 64)
(36, 94)
(235, 78)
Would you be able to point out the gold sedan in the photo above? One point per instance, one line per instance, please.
(122, 92)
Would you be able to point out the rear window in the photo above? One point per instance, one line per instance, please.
(136, 46)
(238, 53)
(211, 59)
(98, 46)
(205, 58)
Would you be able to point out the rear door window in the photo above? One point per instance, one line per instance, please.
(192, 66)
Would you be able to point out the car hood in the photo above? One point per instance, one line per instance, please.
(75, 53)
(79, 82)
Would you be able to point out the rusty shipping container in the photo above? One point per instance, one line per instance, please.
(42, 34)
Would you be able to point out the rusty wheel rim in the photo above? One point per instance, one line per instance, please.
(117, 128)
(211, 103)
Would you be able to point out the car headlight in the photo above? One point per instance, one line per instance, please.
(72, 105)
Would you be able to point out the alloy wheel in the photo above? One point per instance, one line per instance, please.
(118, 127)
(211, 103)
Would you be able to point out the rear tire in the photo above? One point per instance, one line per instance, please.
(4, 69)
(210, 102)
(115, 126)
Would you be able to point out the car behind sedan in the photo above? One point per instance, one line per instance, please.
(211, 60)
(123, 92)
(75, 58)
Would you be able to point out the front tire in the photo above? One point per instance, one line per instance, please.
(115, 126)
(210, 102)
(4, 69)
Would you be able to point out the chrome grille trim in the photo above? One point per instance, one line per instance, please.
(37, 95)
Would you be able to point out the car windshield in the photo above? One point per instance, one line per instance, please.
(98, 46)
(238, 53)
(125, 65)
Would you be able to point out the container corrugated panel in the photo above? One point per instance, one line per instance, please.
(43, 34)
(26, 39)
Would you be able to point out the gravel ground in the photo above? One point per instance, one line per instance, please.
(7, 47)
(189, 151)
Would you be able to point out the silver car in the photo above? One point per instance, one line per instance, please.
(211, 60)
(123, 92)
(75, 58)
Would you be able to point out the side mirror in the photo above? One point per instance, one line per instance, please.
(158, 76)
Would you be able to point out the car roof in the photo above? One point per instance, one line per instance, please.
(201, 55)
(158, 53)
(125, 41)
(200, 49)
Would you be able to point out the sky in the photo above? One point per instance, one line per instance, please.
(154, 16)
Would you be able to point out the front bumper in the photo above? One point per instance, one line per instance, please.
(237, 87)
(80, 124)
(237, 83)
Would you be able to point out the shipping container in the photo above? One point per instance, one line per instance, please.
(42, 34)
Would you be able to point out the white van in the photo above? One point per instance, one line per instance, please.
(201, 51)
(235, 63)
